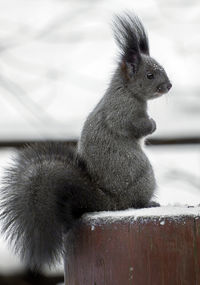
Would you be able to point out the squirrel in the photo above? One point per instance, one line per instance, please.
(51, 185)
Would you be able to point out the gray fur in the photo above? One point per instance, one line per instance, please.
(130, 35)
(45, 191)
(50, 186)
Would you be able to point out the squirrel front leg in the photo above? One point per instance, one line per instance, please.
(143, 127)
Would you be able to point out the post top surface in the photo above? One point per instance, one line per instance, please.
(131, 215)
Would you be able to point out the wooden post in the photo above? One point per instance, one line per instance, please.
(155, 249)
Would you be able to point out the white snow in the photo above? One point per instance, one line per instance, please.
(177, 171)
(56, 58)
(131, 215)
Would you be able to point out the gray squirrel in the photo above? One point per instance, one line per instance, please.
(51, 185)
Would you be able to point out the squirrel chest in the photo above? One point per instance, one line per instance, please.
(119, 165)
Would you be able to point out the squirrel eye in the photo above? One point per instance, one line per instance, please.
(150, 76)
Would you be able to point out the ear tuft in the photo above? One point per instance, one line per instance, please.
(131, 37)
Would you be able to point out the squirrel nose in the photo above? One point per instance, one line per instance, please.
(169, 86)
(164, 87)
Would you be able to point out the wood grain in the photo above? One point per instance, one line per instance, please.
(143, 252)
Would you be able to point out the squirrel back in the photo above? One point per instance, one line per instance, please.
(51, 185)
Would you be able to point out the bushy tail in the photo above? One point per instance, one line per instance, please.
(40, 199)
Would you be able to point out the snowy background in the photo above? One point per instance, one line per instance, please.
(56, 59)
(57, 56)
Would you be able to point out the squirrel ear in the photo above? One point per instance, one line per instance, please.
(129, 64)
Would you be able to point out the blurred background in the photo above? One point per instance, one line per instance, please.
(56, 60)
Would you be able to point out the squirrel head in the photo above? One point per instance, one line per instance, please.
(141, 73)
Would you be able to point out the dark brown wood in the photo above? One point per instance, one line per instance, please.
(143, 252)
(30, 278)
(21, 144)
(172, 141)
(149, 142)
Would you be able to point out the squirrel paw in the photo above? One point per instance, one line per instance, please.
(153, 124)
(152, 204)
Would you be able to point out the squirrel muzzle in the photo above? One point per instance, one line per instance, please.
(164, 88)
